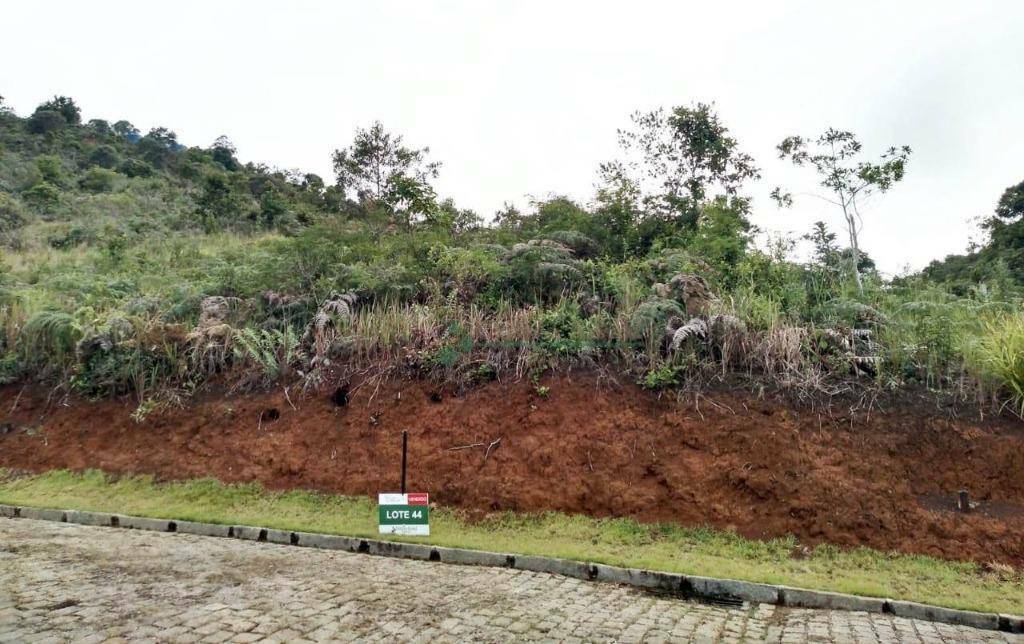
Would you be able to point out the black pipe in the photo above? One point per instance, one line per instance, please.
(405, 448)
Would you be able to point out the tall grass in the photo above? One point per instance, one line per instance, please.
(996, 355)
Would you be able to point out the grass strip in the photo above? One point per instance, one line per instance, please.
(621, 542)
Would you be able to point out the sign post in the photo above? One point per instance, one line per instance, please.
(407, 514)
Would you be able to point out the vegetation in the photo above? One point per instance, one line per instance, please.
(621, 542)
(133, 264)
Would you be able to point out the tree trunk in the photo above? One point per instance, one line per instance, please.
(851, 227)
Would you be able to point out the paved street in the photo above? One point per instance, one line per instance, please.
(66, 582)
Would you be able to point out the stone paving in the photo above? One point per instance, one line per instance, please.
(65, 582)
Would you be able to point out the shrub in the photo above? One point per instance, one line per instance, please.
(50, 168)
(46, 121)
(136, 168)
(651, 317)
(12, 213)
(664, 377)
(49, 336)
(43, 195)
(98, 179)
(104, 156)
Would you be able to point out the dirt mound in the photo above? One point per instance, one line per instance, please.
(885, 479)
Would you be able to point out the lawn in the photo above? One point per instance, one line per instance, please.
(621, 542)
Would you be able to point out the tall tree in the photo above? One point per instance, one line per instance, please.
(223, 152)
(848, 180)
(379, 168)
(680, 160)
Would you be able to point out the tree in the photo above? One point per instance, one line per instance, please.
(456, 221)
(126, 129)
(46, 121)
(824, 242)
(1011, 204)
(223, 152)
(848, 181)
(378, 168)
(221, 204)
(158, 146)
(684, 159)
(65, 106)
(99, 126)
(105, 156)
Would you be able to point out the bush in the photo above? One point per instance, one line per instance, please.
(12, 213)
(43, 195)
(50, 168)
(664, 377)
(105, 156)
(49, 336)
(651, 317)
(46, 121)
(98, 179)
(136, 168)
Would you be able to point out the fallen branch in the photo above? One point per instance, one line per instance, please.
(15, 405)
(455, 449)
(493, 445)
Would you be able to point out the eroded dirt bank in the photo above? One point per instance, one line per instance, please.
(885, 480)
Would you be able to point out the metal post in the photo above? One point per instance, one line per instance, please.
(405, 448)
(963, 502)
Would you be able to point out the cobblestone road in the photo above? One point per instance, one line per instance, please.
(65, 582)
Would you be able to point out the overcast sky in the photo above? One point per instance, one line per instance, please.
(524, 98)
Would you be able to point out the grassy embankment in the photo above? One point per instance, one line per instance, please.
(620, 542)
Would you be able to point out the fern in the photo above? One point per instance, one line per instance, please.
(50, 334)
(272, 351)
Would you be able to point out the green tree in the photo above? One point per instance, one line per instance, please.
(135, 168)
(1011, 203)
(126, 129)
(379, 169)
(823, 240)
(221, 203)
(100, 127)
(105, 156)
(848, 181)
(456, 221)
(679, 160)
(65, 106)
(158, 146)
(46, 121)
(223, 152)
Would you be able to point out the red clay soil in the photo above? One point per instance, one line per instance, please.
(885, 480)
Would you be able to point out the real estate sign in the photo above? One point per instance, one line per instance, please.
(404, 513)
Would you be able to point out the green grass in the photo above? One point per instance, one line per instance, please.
(621, 542)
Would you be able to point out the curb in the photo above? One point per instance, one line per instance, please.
(719, 591)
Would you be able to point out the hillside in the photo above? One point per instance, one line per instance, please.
(136, 265)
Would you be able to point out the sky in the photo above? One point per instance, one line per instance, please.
(523, 99)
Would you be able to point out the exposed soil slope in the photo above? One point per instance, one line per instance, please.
(885, 480)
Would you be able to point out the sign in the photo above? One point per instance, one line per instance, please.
(404, 513)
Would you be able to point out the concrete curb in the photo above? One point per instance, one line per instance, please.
(723, 591)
